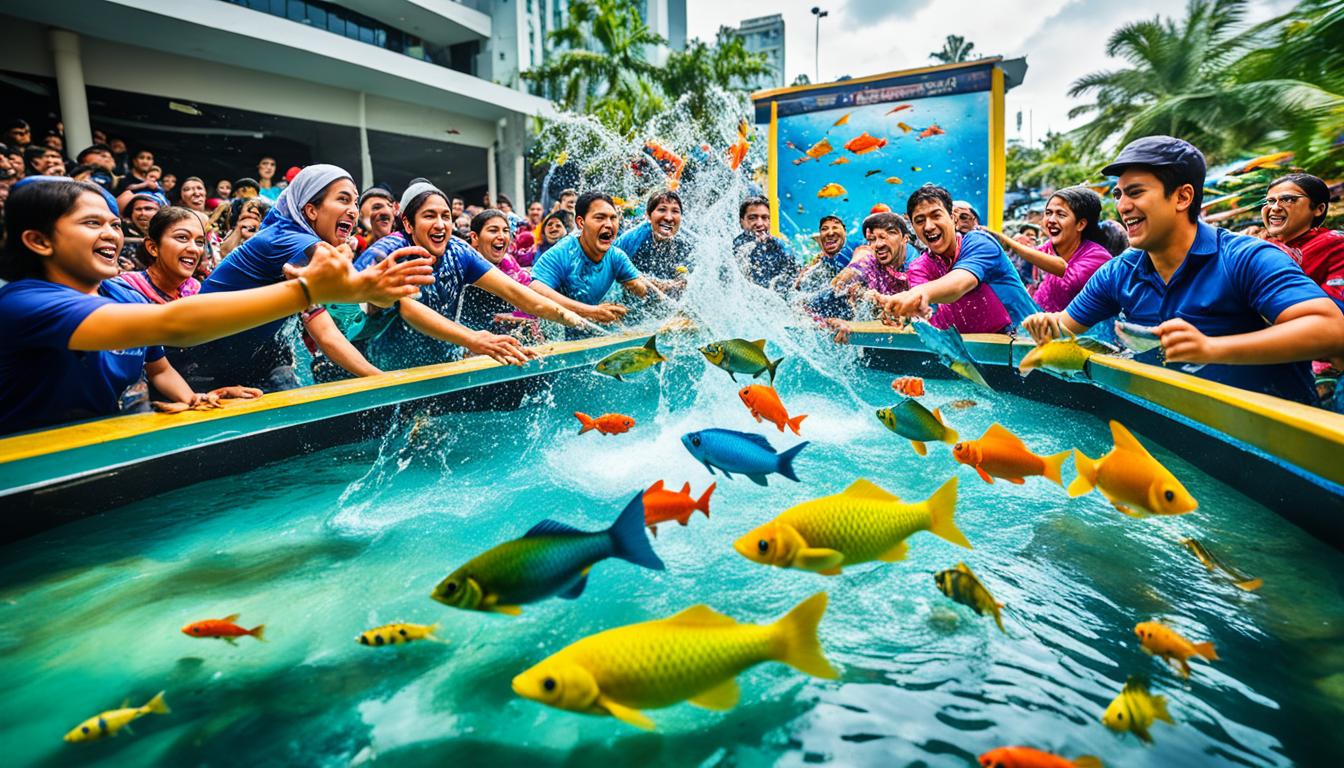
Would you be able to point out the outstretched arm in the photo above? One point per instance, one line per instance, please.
(505, 350)
(336, 347)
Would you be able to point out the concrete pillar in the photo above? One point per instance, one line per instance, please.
(511, 138)
(70, 88)
(491, 173)
(365, 159)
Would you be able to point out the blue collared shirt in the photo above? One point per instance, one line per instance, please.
(1228, 284)
(567, 269)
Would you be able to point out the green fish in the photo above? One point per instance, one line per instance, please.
(962, 585)
(915, 423)
(624, 362)
(741, 356)
(1207, 558)
(549, 560)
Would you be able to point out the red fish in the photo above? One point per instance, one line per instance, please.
(607, 423)
(662, 505)
(899, 107)
(224, 629)
(932, 130)
(1026, 757)
(736, 153)
(910, 386)
(863, 144)
(764, 403)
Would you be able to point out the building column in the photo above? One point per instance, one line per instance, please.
(491, 174)
(511, 138)
(70, 89)
(365, 159)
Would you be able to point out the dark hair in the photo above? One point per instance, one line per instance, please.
(586, 201)
(926, 193)
(36, 206)
(502, 199)
(91, 149)
(246, 181)
(888, 221)
(415, 204)
(31, 153)
(660, 197)
(83, 168)
(564, 216)
(1085, 205)
(1113, 237)
(567, 192)
(1317, 192)
(479, 221)
(191, 178)
(826, 218)
(1172, 179)
(749, 202)
(158, 226)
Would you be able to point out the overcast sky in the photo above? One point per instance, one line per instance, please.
(1061, 39)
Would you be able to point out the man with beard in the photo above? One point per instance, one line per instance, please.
(654, 246)
(378, 212)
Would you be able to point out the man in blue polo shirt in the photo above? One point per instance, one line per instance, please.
(578, 271)
(1236, 305)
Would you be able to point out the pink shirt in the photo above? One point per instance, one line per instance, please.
(1056, 291)
(979, 311)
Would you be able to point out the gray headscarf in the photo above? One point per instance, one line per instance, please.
(307, 185)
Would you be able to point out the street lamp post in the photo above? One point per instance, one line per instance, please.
(816, 47)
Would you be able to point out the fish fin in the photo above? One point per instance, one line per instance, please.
(950, 435)
(1207, 651)
(896, 553)
(786, 460)
(1126, 440)
(795, 422)
(577, 589)
(157, 705)
(1016, 480)
(1251, 585)
(798, 638)
(686, 489)
(984, 475)
(653, 531)
(1000, 432)
(942, 506)
(1185, 668)
(836, 571)
(759, 479)
(919, 447)
(258, 632)
(628, 541)
(231, 640)
(710, 467)
(755, 439)
(625, 714)
(1160, 709)
(864, 489)
(685, 518)
(817, 559)
(550, 527)
(732, 375)
(1125, 509)
(998, 616)
(1053, 465)
(1087, 475)
(772, 365)
(657, 486)
(759, 344)
(700, 616)
(586, 421)
(232, 617)
(652, 344)
(703, 503)
(1087, 761)
(721, 697)
(617, 377)
(510, 610)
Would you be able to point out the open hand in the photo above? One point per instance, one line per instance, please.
(1043, 326)
(331, 280)
(606, 313)
(504, 350)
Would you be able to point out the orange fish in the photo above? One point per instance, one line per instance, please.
(893, 179)
(816, 151)
(1130, 478)
(1162, 641)
(844, 120)
(736, 153)
(840, 161)
(1000, 453)
(832, 190)
(932, 130)
(899, 107)
(764, 403)
(1026, 757)
(662, 505)
(910, 386)
(905, 127)
(863, 144)
(224, 629)
(607, 423)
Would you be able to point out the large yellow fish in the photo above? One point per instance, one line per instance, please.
(1064, 355)
(832, 190)
(860, 524)
(1131, 479)
(694, 655)
(1135, 710)
(113, 720)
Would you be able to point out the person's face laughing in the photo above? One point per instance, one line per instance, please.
(832, 237)
(665, 220)
(82, 248)
(1291, 214)
(334, 214)
(935, 227)
(1150, 216)
(597, 229)
(1065, 229)
(433, 225)
(377, 211)
(492, 241)
(180, 250)
(888, 247)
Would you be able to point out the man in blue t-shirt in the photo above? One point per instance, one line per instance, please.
(578, 271)
(764, 258)
(1236, 305)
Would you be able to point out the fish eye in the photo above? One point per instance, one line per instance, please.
(1120, 716)
(695, 441)
(451, 588)
(363, 639)
(957, 447)
(548, 684)
(84, 729)
(763, 546)
(1170, 494)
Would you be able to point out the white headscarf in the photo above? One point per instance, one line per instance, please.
(307, 185)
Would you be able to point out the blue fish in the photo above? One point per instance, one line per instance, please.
(740, 452)
(951, 350)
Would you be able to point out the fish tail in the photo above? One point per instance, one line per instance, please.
(156, 705)
(942, 506)
(771, 366)
(652, 346)
(1087, 475)
(703, 503)
(1206, 650)
(1053, 465)
(258, 632)
(950, 435)
(586, 421)
(1160, 709)
(1250, 585)
(796, 422)
(800, 647)
(786, 460)
(1087, 761)
(628, 541)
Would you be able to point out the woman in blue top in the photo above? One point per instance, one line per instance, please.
(319, 206)
(68, 353)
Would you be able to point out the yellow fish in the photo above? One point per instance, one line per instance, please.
(816, 151)
(1135, 710)
(113, 720)
(961, 585)
(396, 634)
(562, 158)
(840, 161)
(1166, 643)
(904, 128)
(694, 655)
(832, 190)
(1131, 479)
(861, 524)
(844, 120)
(1056, 355)
(620, 202)
(1241, 580)
(893, 179)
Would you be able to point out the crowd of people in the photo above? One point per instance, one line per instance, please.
(128, 288)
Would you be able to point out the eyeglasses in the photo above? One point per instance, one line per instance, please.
(1283, 201)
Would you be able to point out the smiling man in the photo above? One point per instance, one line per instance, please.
(968, 277)
(377, 211)
(764, 258)
(654, 246)
(578, 271)
(1236, 305)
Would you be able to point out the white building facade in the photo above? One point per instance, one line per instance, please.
(765, 34)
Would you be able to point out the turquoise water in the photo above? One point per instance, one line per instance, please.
(324, 546)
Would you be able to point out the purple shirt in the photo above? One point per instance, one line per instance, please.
(979, 311)
(1056, 291)
(886, 280)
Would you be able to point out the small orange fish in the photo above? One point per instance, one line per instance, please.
(840, 161)
(607, 423)
(1002, 454)
(832, 190)
(743, 129)
(863, 144)
(816, 151)
(764, 403)
(932, 130)
(910, 386)
(662, 505)
(905, 127)
(224, 629)
(893, 179)
(844, 120)
(899, 107)
(736, 153)
(1162, 641)
(1026, 757)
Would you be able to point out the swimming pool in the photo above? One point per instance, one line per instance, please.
(323, 546)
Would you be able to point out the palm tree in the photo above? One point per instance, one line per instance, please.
(955, 49)
(727, 64)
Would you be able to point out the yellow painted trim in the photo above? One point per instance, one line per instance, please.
(775, 93)
(772, 171)
(121, 427)
(998, 160)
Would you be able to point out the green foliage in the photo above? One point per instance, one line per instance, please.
(1059, 162)
(955, 49)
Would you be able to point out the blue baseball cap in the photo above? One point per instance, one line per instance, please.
(1160, 151)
